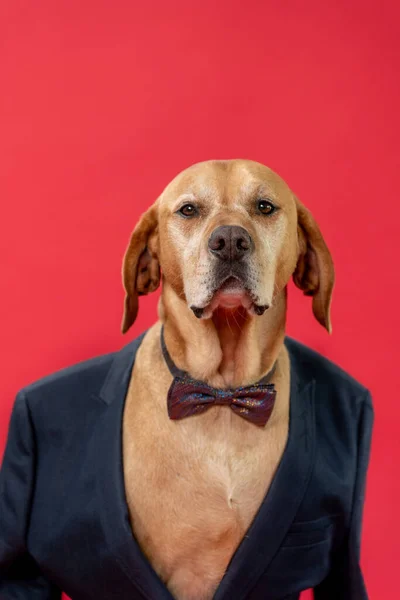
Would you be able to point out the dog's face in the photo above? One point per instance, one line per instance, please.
(228, 234)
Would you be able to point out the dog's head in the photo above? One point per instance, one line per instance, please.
(228, 234)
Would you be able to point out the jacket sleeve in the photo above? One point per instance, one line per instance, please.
(345, 581)
(20, 577)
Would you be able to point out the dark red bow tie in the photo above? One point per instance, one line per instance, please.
(188, 396)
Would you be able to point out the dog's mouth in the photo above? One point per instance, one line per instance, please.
(231, 294)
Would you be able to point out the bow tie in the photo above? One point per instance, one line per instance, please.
(188, 396)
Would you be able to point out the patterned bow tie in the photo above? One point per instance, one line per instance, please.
(188, 396)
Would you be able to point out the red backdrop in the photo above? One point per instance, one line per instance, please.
(104, 102)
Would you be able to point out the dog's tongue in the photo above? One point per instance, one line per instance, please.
(231, 294)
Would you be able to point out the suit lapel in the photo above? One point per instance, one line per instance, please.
(278, 510)
(270, 525)
(112, 502)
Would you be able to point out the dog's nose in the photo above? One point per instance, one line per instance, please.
(230, 242)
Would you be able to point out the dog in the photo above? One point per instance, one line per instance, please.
(225, 238)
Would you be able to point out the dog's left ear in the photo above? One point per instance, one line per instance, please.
(141, 268)
(314, 272)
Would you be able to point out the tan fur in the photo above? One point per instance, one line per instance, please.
(194, 486)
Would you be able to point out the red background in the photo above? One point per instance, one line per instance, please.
(103, 102)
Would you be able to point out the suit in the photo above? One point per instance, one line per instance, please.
(64, 522)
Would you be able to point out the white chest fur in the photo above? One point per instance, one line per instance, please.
(194, 486)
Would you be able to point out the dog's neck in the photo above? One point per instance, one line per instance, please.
(229, 350)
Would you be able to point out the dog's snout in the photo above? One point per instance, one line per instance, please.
(230, 242)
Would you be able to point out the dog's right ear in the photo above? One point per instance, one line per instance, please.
(141, 268)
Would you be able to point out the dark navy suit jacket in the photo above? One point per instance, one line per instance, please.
(64, 521)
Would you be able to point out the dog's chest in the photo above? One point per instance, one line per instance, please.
(193, 487)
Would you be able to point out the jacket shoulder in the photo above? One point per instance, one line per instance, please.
(67, 400)
(85, 376)
(65, 403)
(328, 376)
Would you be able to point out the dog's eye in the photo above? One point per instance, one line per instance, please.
(266, 207)
(188, 210)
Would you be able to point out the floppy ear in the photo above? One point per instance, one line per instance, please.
(140, 269)
(314, 272)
